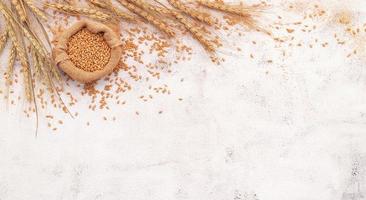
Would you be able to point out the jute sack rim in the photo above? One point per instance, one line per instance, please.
(62, 59)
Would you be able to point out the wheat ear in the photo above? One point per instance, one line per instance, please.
(23, 60)
(36, 10)
(3, 41)
(92, 13)
(233, 9)
(108, 6)
(19, 7)
(148, 17)
(203, 17)
(196, 32)
(11, 63)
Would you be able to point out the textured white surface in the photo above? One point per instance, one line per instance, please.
(294, 129)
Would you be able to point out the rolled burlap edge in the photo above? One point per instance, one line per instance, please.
(62, 58)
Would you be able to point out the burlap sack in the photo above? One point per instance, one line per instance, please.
(62, 58)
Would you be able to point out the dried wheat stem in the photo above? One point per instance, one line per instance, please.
(203, 17)
(96, 14)
(36, 10)
(19, 9)
(196, 32)
(148, 17)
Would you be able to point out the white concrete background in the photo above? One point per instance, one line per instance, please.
(297, 132)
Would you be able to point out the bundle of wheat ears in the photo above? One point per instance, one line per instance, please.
(32, 49)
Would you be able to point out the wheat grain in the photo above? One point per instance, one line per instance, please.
(203, 17)
(196, 32)
(92, 13)
(148, 17)
(36, 10)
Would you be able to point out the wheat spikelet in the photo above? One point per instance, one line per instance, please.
(203, 17)
(148, 17)
(96, 14)
(3, 41)
(11, 63)
(197, 33)
(36, 10)
(20, 9)
(108, 6)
